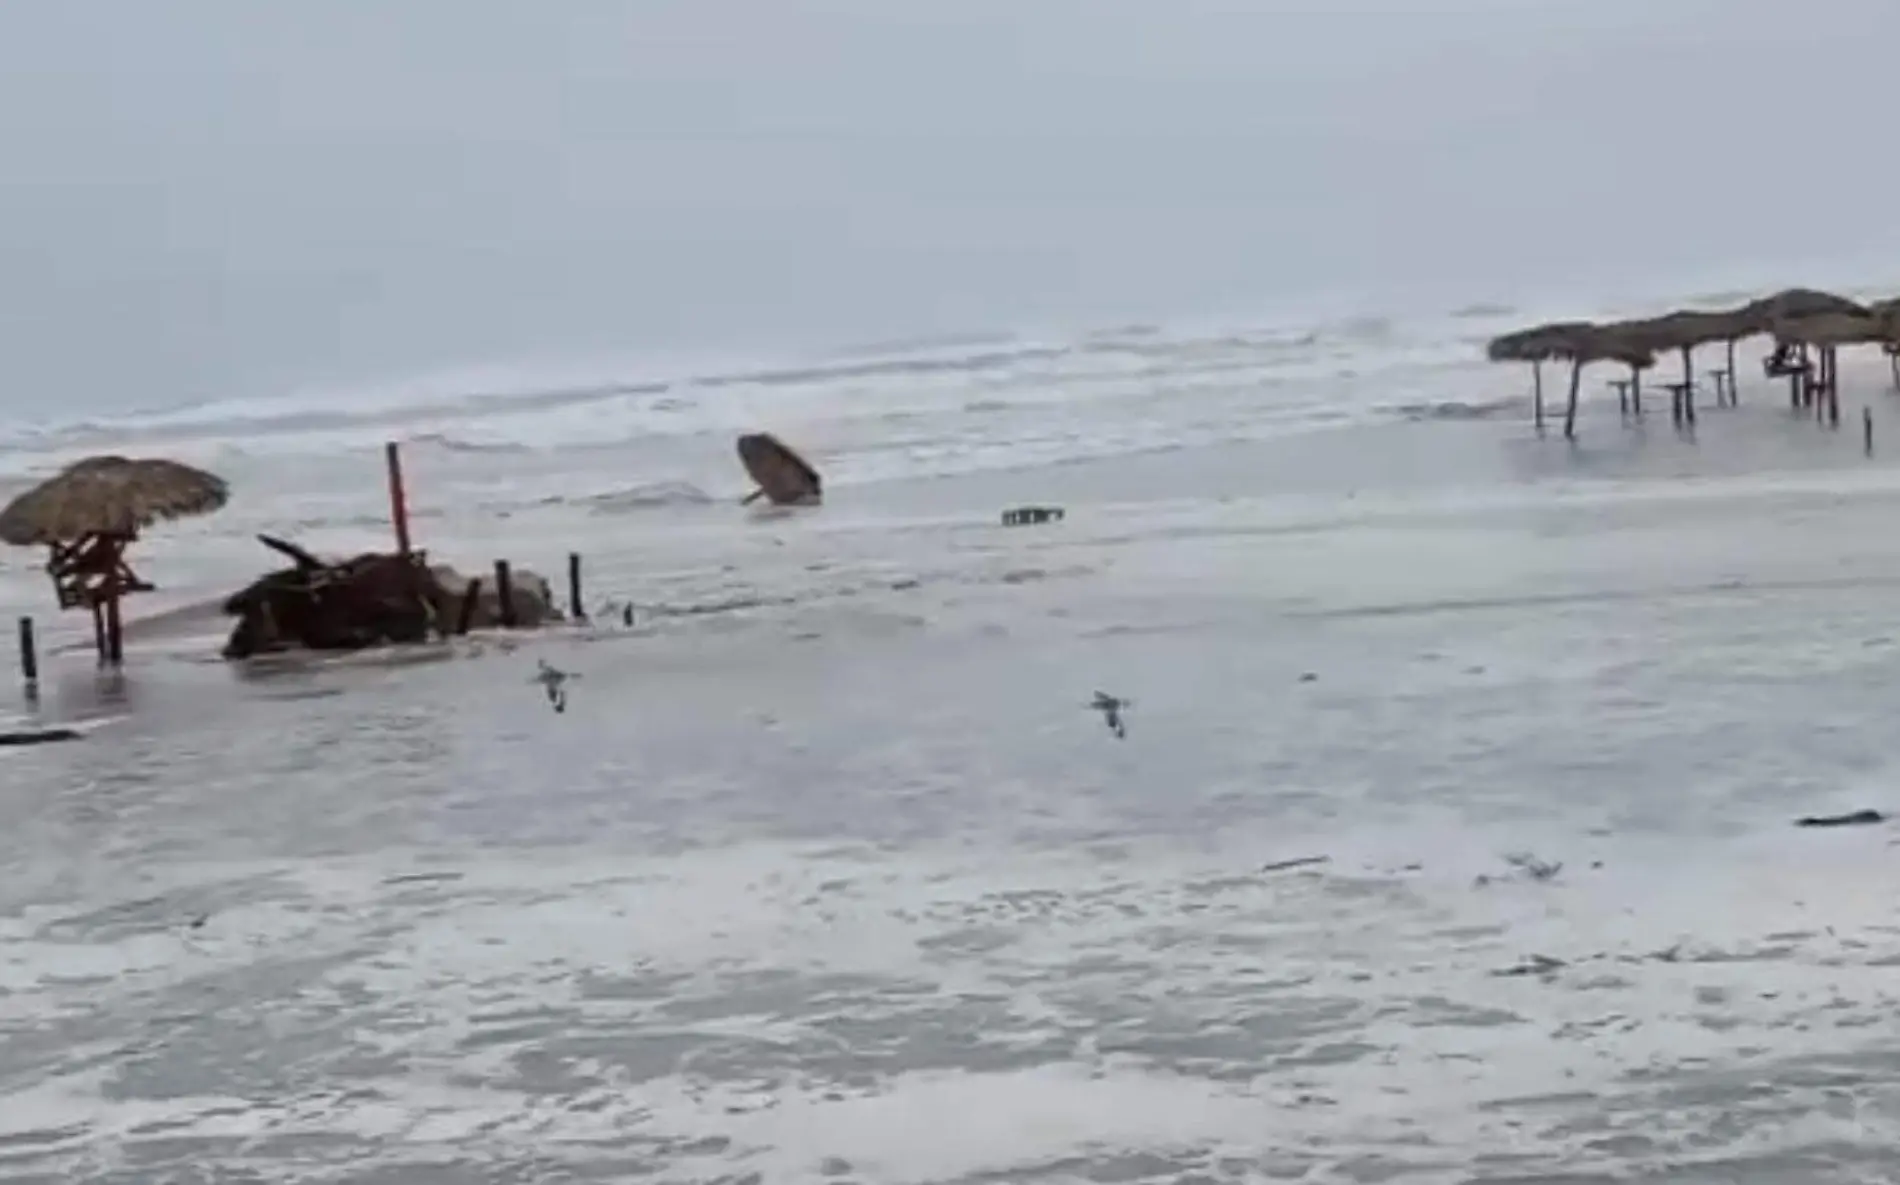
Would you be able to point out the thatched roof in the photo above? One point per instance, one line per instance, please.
(1619, 341)
(1886, 315)
(1691, 328)
(1829, 329)
(109, 495)
(1761, 315)
(1555, 341)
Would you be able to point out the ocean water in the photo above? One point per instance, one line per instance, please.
(829, 873)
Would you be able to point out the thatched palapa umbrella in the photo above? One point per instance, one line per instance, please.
(1556, 341)
(89, 512)
(1604, 343)
(1827, 332)
(1683, 331)
(1887, 314)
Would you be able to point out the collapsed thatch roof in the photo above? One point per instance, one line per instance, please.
(109, 495)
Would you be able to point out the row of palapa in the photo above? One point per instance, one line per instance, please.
(1798, 319)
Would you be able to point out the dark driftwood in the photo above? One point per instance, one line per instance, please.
(39, 736)
(1300, 862)
(1862, 818)
(304, 560)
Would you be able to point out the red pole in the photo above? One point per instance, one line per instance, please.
(398, 503)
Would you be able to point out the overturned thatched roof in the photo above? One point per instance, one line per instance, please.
(109, 495)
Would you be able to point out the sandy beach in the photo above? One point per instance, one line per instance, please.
(829, 849)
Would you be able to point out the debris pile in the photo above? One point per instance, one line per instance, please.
(372, 599)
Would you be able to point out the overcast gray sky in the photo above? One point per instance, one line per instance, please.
(232, 198)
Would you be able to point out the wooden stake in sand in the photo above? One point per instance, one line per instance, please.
(466, 615)
(29, 657)
(574, 604)
(505, 594)
(1867, 429)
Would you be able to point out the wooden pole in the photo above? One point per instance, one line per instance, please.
(115, 632)
(576, 608)
(470, 595)
(29, 656)
(99, 631)
(398, 500)
(1833, 387)
(505, 594)
(1570, 411)
(1867, 429)
(1734, 398)
(1537, 394)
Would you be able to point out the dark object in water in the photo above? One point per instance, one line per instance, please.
(39, 736)
(1297, 862)
(1023, 516)
(370, 600)
(784, 477)
(1539, 965)
(373, 599)
(1861, 818)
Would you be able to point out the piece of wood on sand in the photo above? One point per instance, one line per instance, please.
(783, 477)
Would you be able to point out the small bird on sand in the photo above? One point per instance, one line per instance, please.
(1111, 708)
(555, 681)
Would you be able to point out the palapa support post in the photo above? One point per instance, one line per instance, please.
(1688, 381)
(1833, 387)
(575, 605)
(465, 617)
(29, 657)
(1537, 393)
(115, 633)
(1734, 394)
(505, 594)
(398, 499)
(1867, 429)
(1570, 409)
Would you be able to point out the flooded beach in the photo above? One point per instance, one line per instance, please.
(828, 871)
